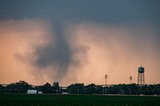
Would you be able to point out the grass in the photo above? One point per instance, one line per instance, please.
(77, 100)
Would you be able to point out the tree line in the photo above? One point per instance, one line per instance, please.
(80, 88)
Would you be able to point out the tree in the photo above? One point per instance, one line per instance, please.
(77, 88)
(18, 87)
(46, 88)
(56, 87)
(90, 89)
(2, 88)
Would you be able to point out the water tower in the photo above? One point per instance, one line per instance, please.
(140, 79)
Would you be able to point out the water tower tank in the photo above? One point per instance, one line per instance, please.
(140, 70)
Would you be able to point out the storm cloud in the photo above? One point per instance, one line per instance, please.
(79, 41)
(58, 55)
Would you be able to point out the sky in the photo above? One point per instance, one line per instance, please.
(79, 41)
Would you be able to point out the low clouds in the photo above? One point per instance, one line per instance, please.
(78, 41)
(17, 39)
(116, 51)
(59, 56)
(45, 53)
(37, 52)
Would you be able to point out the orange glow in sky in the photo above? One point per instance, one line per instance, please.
(113, 50)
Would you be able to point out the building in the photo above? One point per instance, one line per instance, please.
(32, 91)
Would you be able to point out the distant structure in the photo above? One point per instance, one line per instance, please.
(141, 79)
(130, 79)
(32, 91)
(105, 77)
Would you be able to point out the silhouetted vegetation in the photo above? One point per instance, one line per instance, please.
(18, 87)
(80, 88)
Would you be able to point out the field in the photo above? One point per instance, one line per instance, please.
(77, 100)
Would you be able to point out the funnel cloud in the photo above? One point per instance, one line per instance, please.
(79, 41)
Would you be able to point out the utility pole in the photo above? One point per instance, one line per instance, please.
(130, 79)
(106, 77)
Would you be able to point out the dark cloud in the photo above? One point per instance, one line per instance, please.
(105, 11)
(60, 56)
(58, 53)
